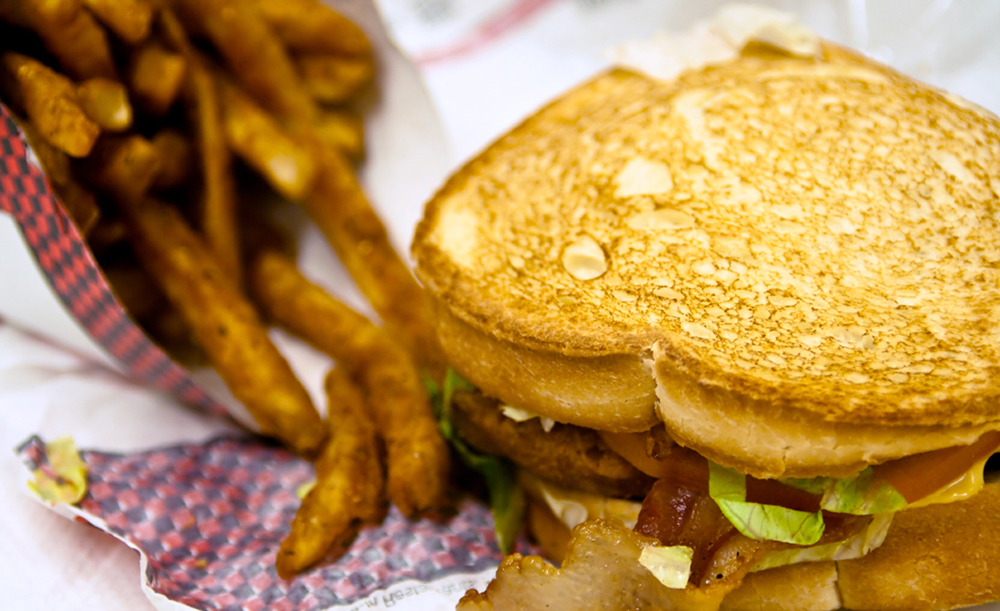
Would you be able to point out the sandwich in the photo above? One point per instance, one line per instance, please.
(739, 332)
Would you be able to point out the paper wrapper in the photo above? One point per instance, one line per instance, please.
(206, 512)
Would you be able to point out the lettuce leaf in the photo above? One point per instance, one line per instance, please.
(670, 565)
(857, 545)
(864, 494)
(65, 478)
(758, 521)
(506, 497)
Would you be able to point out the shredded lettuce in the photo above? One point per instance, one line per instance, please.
(855, 546)
(864, 494)
(670, 565)
(66, 479)
(506, 497)
(756, 520)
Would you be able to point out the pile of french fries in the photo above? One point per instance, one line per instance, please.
(150, 118)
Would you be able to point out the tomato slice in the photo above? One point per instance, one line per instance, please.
(919, 475)
(688, 468)
(681, 465)
(915, 477)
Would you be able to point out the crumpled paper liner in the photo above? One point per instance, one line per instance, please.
(207, 520)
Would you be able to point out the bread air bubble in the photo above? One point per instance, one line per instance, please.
(584, 259)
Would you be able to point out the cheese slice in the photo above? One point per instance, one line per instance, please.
(964, 487)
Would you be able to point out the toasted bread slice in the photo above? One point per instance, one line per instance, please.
(804, 255)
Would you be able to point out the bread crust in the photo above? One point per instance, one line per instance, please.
(839, 312)
(770, 440)
(810, 586)
(613, 392)
(935, 557)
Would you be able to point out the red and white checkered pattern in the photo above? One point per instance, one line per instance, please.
(210, 518)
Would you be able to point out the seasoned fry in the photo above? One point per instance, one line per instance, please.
(70, 33)
(25, 13)
(257, 138)
(156, 76)
(175, 153)
(107, 233)
(341, 130)
(134, 288)
(312, 27)
(147, 305)
(81, 47)
(218, 209)
(418, 458)
(80, 203)
(106, 103)
(342, 212)
(334, 78)
(123, 165)
(255, 56)
(348, 485)
(173, 31)
(224, 324)
(129, 19)
(50, 102)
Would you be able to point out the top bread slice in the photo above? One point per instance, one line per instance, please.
(794, 263)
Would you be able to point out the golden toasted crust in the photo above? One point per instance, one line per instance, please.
(613, 392)
(816, 236)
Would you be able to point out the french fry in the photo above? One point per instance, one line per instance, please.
(79, 202)
(218, 209)
(129, 19)
(256, 57)
(340, 209)
(123, 165)
(218, 204)
(156, 76)
(134, 288)
(417, 456)
(70, 33)
(175, 152)
(341, 130)
(348, 486)
(173, 31)
(334, 78)
(106, 103)
(107, 234)
(24, 13)
(311, 26)
(256, 137)
(224, 324)
(81, 47)
(50, 101)
(147, 305)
